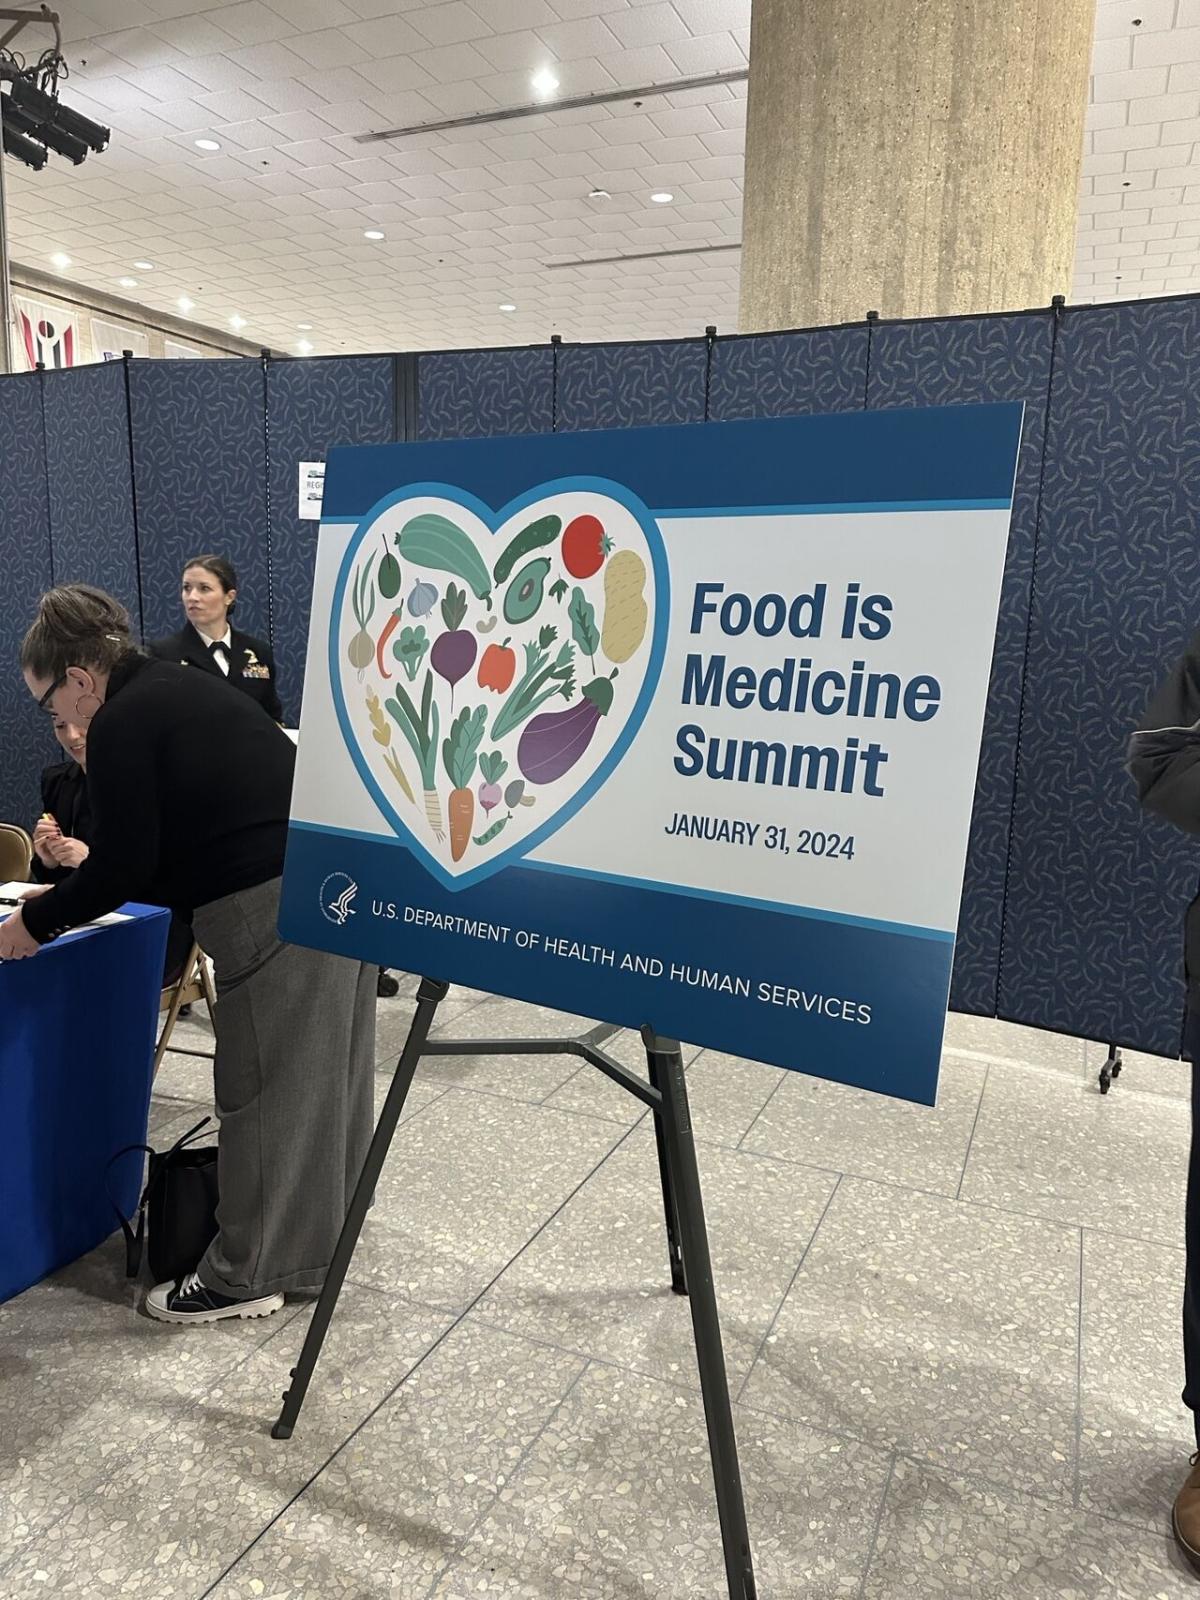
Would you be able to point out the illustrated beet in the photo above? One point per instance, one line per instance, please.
(453, 653)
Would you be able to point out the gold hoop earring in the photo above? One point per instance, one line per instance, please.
(87, 716)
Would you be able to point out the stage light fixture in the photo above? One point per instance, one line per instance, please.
(22, 148)
(58, 124)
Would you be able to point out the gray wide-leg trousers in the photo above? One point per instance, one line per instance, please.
(294, 1079)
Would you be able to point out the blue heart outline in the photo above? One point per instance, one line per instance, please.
(493, 521)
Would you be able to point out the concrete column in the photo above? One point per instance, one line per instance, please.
(914, 157)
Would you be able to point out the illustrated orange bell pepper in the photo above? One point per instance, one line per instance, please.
(498, 667)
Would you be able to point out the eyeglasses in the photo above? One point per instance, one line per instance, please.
(44, 701)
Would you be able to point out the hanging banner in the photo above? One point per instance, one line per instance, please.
(47, 334)
(110, 340)
(673, 726)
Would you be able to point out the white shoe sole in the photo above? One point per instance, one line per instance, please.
(244, 1310)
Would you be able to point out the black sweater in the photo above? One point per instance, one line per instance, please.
(189, 788)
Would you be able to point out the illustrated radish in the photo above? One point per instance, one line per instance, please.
(453, 653)
(493, 767)
(552, 743)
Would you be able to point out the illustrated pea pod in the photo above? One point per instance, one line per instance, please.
(433, 541)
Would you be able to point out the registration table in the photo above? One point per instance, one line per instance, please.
(77, 1031)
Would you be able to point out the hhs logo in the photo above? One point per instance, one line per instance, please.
(337, 898)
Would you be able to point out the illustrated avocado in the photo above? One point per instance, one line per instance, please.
(527, 590)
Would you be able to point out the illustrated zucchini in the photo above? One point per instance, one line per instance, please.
(435, 541)
(544, 531)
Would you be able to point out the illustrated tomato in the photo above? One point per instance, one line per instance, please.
(498, 667)
(584, 547)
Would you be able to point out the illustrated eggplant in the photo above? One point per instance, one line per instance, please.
(553, 742)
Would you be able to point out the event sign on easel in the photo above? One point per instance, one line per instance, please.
(673, 725)
(676, 728)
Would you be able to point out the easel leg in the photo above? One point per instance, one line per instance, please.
(666, 1062)
(678, 1276)
(429, 996)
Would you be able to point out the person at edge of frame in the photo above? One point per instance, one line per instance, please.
(190, 788)
(1164, 761)
(62, 835)
(209, 640)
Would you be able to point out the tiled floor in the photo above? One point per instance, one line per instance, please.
(952, 1341)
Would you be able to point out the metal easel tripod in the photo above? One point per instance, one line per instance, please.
(687, 1237)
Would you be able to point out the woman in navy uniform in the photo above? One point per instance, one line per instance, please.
(209, 640)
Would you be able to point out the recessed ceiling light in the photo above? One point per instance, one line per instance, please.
(373, 233)
(508, 306)
(304, 347)
(599, 194)
(305, 327)
(185, 305)
(544, 82)
(662, 197)
(144, 266)
(207, 144)
(128, 283)
(237, 322)
(59, 260)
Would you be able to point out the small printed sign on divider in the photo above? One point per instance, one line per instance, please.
(671, 726)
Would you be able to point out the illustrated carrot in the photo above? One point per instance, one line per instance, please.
(462, 816)
(393, 622)
(460, 754)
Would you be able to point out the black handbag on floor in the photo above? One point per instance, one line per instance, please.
(178, 1207)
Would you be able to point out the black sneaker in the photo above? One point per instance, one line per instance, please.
(187, 1300)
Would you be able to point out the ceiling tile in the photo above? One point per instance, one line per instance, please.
(452, 22)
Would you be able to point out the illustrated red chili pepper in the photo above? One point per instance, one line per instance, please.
(390, 627)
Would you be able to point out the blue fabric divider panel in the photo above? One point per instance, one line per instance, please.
(90, 480)
(783, 374)
(200, 481)
(631, 385)
(473, 394)
(965, 362)
(312, 405)
(26, 743)
(1097, 891)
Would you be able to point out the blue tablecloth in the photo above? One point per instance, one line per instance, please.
(77, 1031)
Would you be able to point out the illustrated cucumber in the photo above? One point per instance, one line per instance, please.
(544, 531)
(434, 541)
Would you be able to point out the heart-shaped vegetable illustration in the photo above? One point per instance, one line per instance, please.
(474, 750)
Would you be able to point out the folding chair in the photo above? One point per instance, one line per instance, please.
(16, 853)
(195, 983)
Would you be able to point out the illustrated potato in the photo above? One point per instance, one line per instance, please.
(625, 610)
